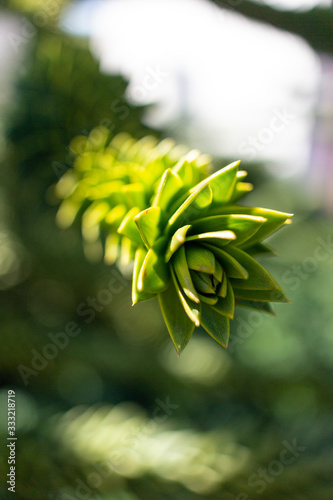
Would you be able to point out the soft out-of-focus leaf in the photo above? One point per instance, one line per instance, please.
(91, 218)
(115, 215)
(111, 248)
(127, 251)
(135, 195)
(128, 227)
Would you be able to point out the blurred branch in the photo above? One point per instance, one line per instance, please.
(315, 25)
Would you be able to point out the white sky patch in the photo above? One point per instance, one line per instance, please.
(223, 76)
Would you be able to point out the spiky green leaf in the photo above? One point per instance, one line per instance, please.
(177, 240)
(179, 325)
(169, 186)
(215, 324)
(229, 264)
(243, 226)
(226, 305)
(182, 272)
(258, 278)
(200, 259)
(148, 222)
(154, 275)
(137, 295)
(261, 295)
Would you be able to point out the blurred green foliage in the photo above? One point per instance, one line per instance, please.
(61, 94)
(231, 411)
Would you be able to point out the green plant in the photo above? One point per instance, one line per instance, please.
(192, 245)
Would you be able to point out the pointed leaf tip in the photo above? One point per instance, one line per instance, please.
(147, 223)
(179, 325)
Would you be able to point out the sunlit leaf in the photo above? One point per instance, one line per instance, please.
(139, 296)
(241, 189)
(169, 186)
(274, 220)
(135, 195)
(154, 273)
(243, 226)
(148, 223)
(223, 183)
(224, 236)
(177, 240)
(199, 199)
(111, 248)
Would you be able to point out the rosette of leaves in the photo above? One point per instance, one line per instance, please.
(115, 178)
(197, 253)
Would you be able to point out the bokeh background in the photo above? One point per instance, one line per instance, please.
(115, 415)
